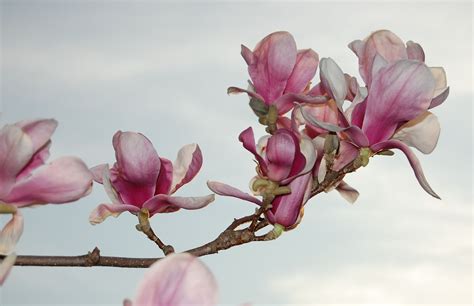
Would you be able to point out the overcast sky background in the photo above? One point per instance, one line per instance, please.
(163, 69)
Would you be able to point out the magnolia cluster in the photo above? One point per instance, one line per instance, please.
(335, 126)
(315, 136)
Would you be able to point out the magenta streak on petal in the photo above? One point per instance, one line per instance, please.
(248, 140)
(286, 209)
(187, 165)
(414, 162)
(129, 192)
(305, 68)
(38, 159)
(165, 178)
(399, 93)
(280, 155)
(274, 60)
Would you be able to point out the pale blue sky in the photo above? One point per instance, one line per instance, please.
(162, 69)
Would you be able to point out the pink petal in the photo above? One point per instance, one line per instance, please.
(421, 132)
(187, 165)
(288, 101)
(414, 162)
(333, 80)
(248, 140)
(226, 190)
(247, 55)
(103, 211)
(415, 51)
(399, 93)
(5, 267)
(37, 160)
(382, 42)
(286, 209)
(136, 157)
(11, 233)
(236, 90)
(347, 192)
(16, 150)
(347, 153)
(280, 154)
(163, 203)
(326, 113)
(272, 65)
(109, 188)
(40, 131)
(64, 180)
(98, 172)
(305, 68)
(438, 100)
(165, 178)
(177, 280)
(440, 78)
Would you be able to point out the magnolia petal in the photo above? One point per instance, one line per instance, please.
(438, 100)
(165, 178)
(136, 158)
(273, 63)
(162, 203)
(236, 90)
(11, 233)
(5, 267)
(64, 180)
(286, 208)
(382, 42)
(323, 168)
(178, 280)
(281, 153)
(347, 153)
(103, 211)
(37, 160)
(325, 113)
(98, 172)
(229, 191)
(109, 188)
(16, 150)
(186, 166)
(247, 55)
(399, 93)
(414, 162)
(40, 131)
(309, 152)
(333, 80)
(439, 75)
(288, 101)
(305, 68)
(377, 65)
(415, 51)
(360, 97)
(248, 140)
(421, 132)
(347, 192)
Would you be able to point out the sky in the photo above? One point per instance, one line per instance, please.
(162, 69)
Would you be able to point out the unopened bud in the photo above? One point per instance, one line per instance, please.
(258, 107)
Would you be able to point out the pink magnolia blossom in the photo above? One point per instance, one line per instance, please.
(284, 160)
(141, 179)
(176, 280)
(26, 179)
(391, 113)
(279, 72)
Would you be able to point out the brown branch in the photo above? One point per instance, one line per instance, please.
(145, 227)
(229, 238)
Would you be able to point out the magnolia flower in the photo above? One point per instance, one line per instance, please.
(284, 176)
(177, 280)
(141, 179)
(26, 179)
(391, 48)
(390, 114)
(279, 72)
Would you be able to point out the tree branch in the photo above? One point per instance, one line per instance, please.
(229, 238)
